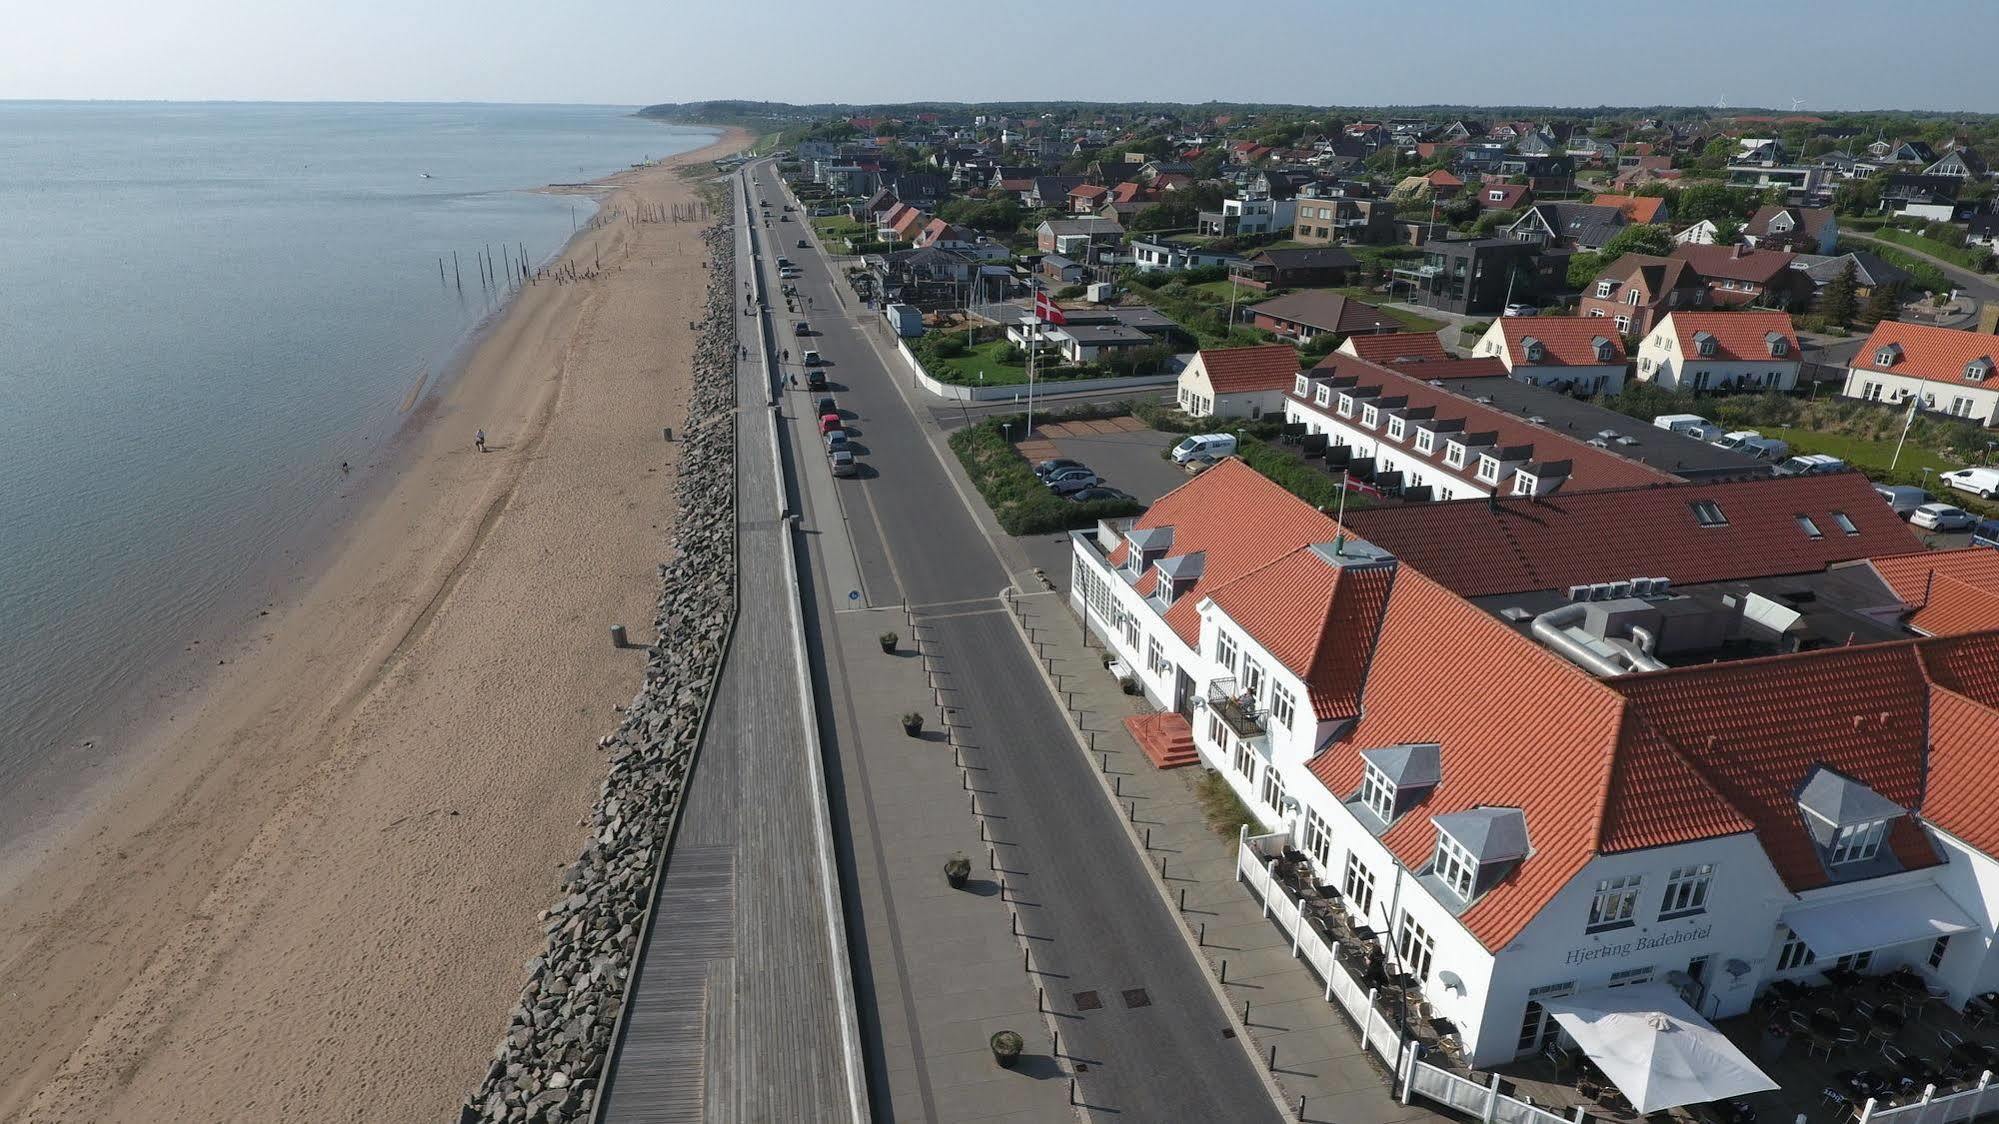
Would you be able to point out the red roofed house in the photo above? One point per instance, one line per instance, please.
(1951, 371)
(1636, 208)
(1712, 350)
(1737, 275)
(1504, 196)
(1085, 198)
(1636, 290)
(1310, 312)
(1576, 353)
(1394, 347)
(1723, 780)
(1237, 382)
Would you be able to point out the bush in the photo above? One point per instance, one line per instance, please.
(1225, 812)
(1070, 292)
(1167, 419)
(1018, 499)
(947, 346)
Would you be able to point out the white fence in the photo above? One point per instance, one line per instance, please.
(1933, 1109)
(1413, 1076)
(1018, 391)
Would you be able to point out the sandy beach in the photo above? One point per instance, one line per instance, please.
(309, 893)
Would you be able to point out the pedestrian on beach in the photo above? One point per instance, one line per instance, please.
(479, 440)
(343, 466)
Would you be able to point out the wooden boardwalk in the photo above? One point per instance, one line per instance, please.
(739, 1011)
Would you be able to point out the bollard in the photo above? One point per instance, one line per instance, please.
(618, 636)
(1183, 899)
(1301, 1108)
(1201, 941)
(1056, 1049)
(1072, 1090)
(1117, 785)
(1162, 869)
(1225, 970)
(1041, 999)
(992, 857)
(1016, 924)
(964, 780)
(1107, 762)
(1245, 1013)
(1273, 1055)
(1133, 814)
(1148, 839)
(982, 831)
(1093, 741)
(1024, 966)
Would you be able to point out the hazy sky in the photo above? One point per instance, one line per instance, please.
(1935, 54)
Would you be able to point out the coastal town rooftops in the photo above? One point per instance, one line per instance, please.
(1952, 592)
(1634, 208)
(1560, 341)
(1734, 336)
(1326, 311)
(1693, 532)
(1236, 370)
(1658, 276)
(1394, 347)
(1918, 351)
(1574, 417)
(1734, 263)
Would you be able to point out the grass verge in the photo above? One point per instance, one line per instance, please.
(1018, 499)
(1225, 812)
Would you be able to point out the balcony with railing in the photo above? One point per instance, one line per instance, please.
(1236, 707)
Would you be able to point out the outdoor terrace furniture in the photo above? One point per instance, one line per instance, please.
(1842, 977)
(1982, 1009)
(1883, 1022)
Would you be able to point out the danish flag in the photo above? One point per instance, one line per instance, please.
(1046, 310)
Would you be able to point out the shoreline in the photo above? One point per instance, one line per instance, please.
(126, 942)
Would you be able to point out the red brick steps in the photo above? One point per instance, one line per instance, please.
(1166, 739)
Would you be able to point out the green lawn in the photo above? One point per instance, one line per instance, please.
(965, 369)
(834, 230)
(1972, 258)
(1867, 455)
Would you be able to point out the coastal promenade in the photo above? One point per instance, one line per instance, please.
(742, 1009)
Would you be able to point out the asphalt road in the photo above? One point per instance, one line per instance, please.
(1106, 928)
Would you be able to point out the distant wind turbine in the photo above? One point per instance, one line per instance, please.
(1796, 104)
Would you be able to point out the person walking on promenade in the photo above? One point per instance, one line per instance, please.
(479, 440)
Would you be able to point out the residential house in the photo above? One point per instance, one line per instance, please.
(1925, 197)
(1502, 196)
(1325, 221)
(1574, 226)
(1304, 268)
(1801, 181)
(1052, 191)
(1088, 334)
(1395, 347)
(1720, 350)
(1569, 353)
(1945, 370)
(1155, 253)
(1961, 163)
(1249, 214)
(1061, 270)
(1068, 237)
(922, 190)
(901, 223)
(1801, 230)
(1636, 208)
(1702, 233)
(1085, 198)
(1902, 152)
(1869, 273)
(945, 236)
(1738, 276)
(1548, 175)
(1480, 277)
(1310, 312)
(1434, 184)
(1237, 382)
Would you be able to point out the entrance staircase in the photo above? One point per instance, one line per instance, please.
(1166, 739)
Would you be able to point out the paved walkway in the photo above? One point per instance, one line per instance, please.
(1319, 1056)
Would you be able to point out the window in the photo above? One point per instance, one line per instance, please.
(1624, 323)
(1273, 788)
(1885, 357)
(1534, 1021)
(1846, 524)
(1225, 651)
(1298, 388)
(1218, 732)
(1810, 528)
(1631, 298)
(1281, 706)
(1858, 842)
(1245, 762)
(1856, 961)
(1323, 396)
(1370, 416)
(1319, 842)
(1414, 947)
(1488, 469)
(1596, 312)
(1377, 793)
(1614, 901)
(1155, 657)
(1396, 427)
(1937, 950)
(1524, 485)
(1346, 405)
(1426, 441)
(1454, 455)
(1705, 346)
(1631, 976)
(1708, 513)
(1358, 886)
(1795, 953)
(1603, 290)
(1252, 678)
(1454, 866)
(1130, 630)
(1686, 890)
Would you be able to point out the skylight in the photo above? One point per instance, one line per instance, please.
(1708, 513)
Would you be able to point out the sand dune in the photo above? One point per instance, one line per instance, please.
(310, 895)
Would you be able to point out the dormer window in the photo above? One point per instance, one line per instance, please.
(1454, 865)
(1531, 348)
(1370, 416)
(1396, 778)
(1346, 405)
(1603, 289)
(1524, 484)
(1778, 344)
(1858, 842)
(1703, 343)
(1396, 427)
(1604, 350)
(1847, 819)
(1454, 455)
(1887, 356)
(1377, 792)
(1977, 369)
(1323, 396)
(1477, 848)
(1302, 386)
(1426, 441)
(1488, 469)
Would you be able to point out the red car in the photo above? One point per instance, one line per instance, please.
(829, 422)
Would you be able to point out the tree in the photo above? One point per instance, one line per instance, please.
(1857, 197)
(1727, 232)
(1707, 201)
(1639, 238)
(1166, 216)
(1837, 305)
(1583, 268)
(1882, 304)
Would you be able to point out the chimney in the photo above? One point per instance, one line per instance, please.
(1735, 251)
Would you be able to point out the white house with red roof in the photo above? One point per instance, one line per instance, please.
(1948, 371)
(1574, 353)
(1716, 350)
(1572, 771)
(1237, 382)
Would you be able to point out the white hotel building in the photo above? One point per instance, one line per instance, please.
(1533, 773)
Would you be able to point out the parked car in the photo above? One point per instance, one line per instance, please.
(1522, 310)
(1753, 443)
(1691, 425)
(1978, 481)
(803, 244)
(1197, 465)
(1099, 493)
(1065, 485)
(836, 439)
(1213, 446)
(830, 422)
(1056, 464)
(1809, 464)
(1986, 533)
(815, 378)
(801, 328)
(1064, 473)
(825, 406)
(842, 462)
(1942, 517)
(1903, 498)
(812, 358)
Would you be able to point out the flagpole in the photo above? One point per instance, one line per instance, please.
(1914, 398)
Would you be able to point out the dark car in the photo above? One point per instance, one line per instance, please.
(1985, 533)
(1056, 465)
(1089, 494)
(815, 379)
(825, 406)
(803, 245)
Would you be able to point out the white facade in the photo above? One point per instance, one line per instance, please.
(1978, 402)
(1196, 396)
(1259, 215)
(1450, 468)
(1596, 378)
(1661, 361)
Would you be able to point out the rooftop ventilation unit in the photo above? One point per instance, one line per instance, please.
(1614, 591)
(1606, 434)
(1579, 593)
(1627, 441)
(1483, 400)
(1641, 587)
(1516, 614)
(1537, 419)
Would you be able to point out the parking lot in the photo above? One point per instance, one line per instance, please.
(1120, 450)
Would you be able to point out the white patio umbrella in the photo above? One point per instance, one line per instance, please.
(1655, 1048)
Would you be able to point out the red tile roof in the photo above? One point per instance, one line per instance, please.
(1516, 544)
(1566, 341)
(1964, 771)
(1932, 354)
(1635, 208)
(1391, 347)
(1734, 262)
(1240, 519)
(1909, 574)
(1238, 370)
(1325, 311)
(1956, 607)
(1593, 468)
(1438, 177)
(1317, 619)
(1511, 195)
(1737, 335)
(1088, 191)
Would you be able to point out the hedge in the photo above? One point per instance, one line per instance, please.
(1018, 499)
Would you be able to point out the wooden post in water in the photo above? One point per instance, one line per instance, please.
(459, 277)
(440, 272)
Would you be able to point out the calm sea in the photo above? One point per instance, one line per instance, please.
(204, 308)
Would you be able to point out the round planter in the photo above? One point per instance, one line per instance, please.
(888, 647)
(913, 729)
(1006, 1048)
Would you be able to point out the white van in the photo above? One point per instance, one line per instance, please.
(1213, 446)
(1765, 448)
(1809, 464)
(1734, 440)
(1689, 425)
(1982, 482)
